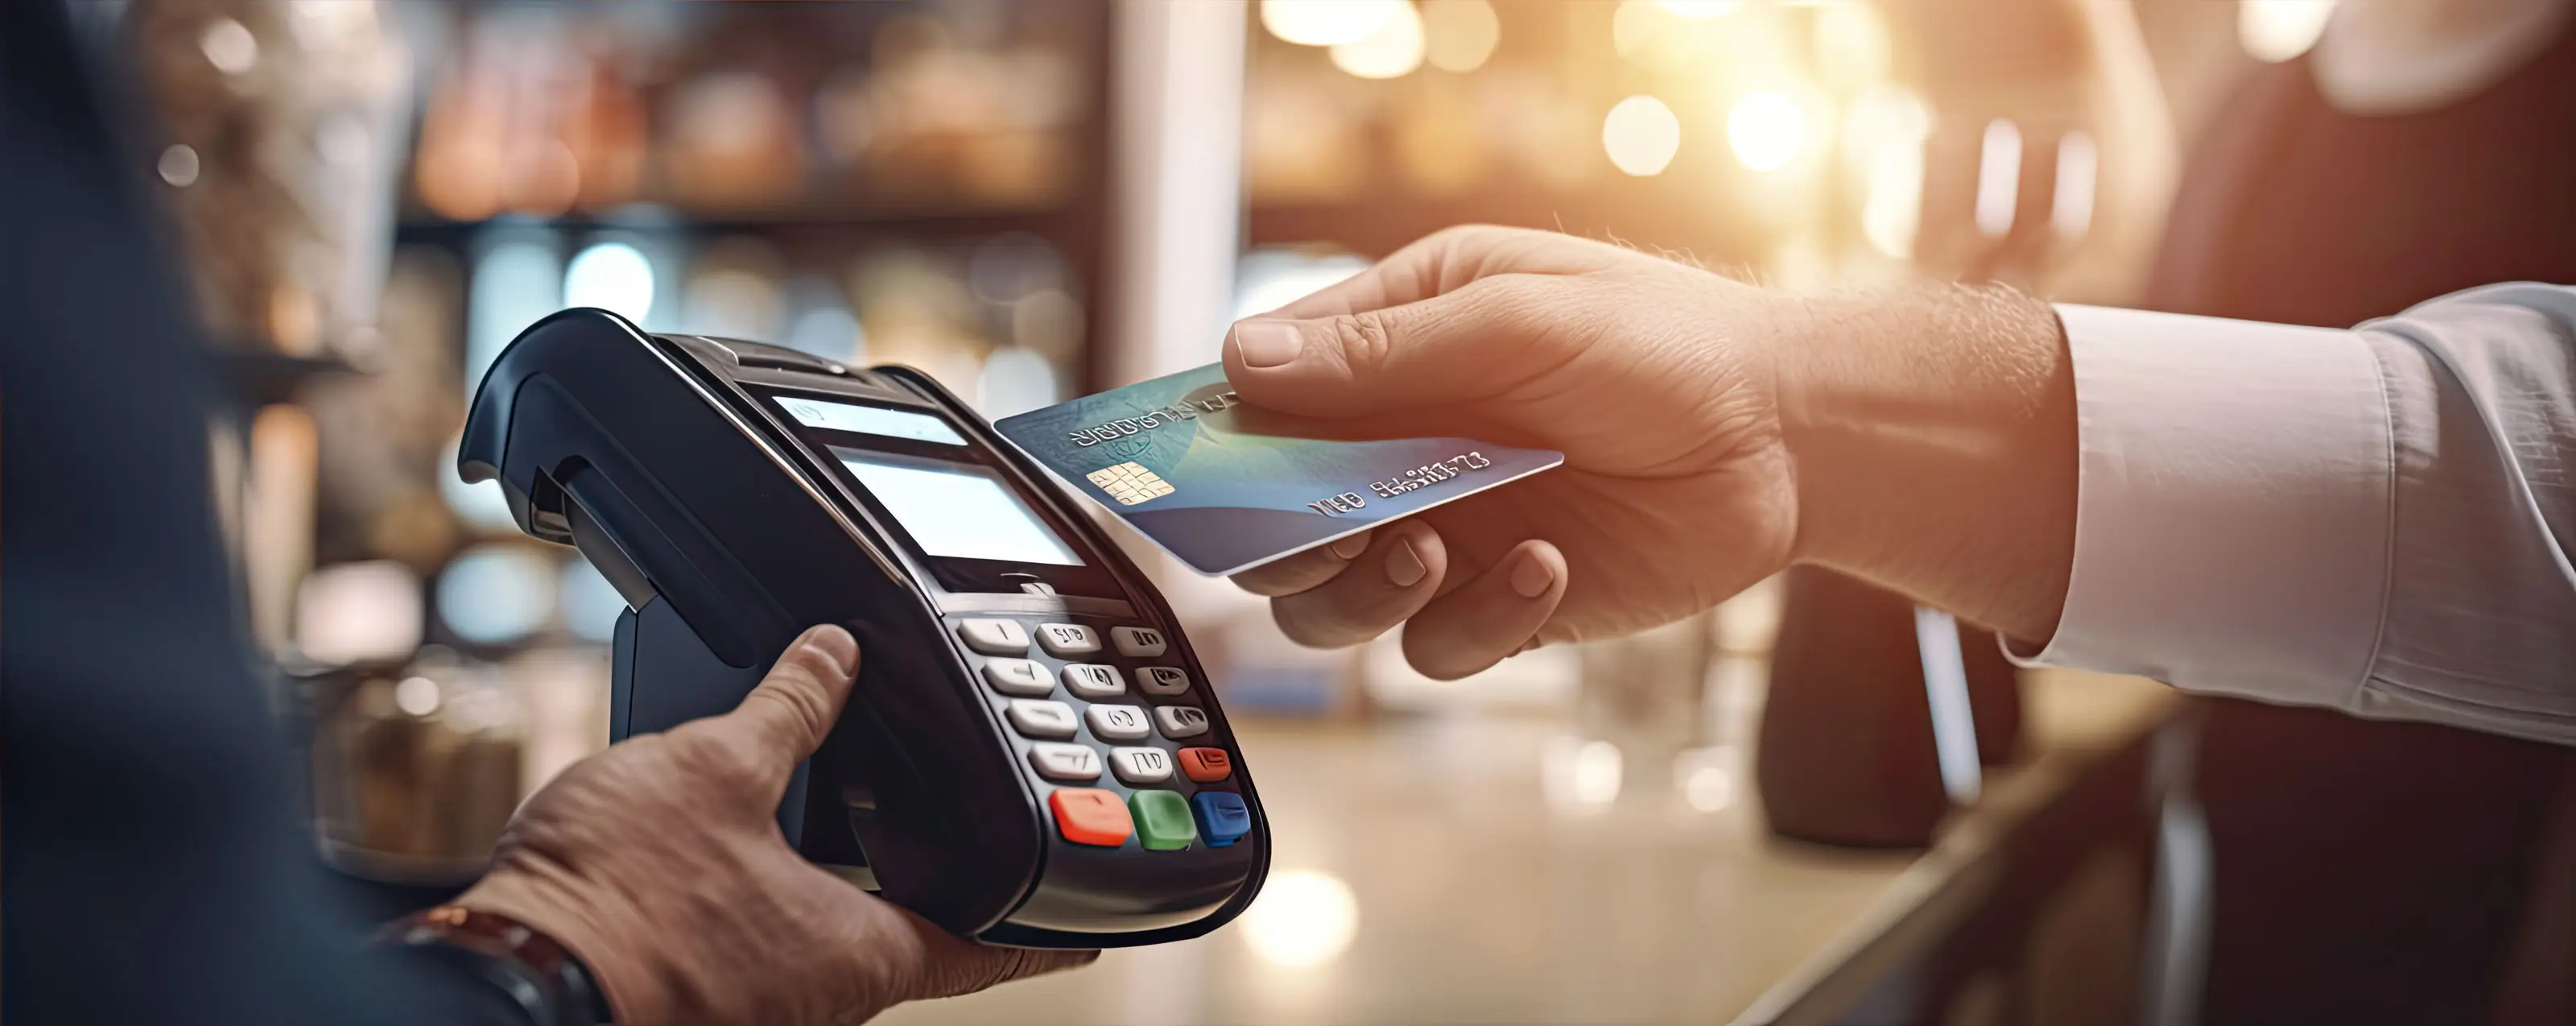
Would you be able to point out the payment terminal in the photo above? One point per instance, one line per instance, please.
(1032, 755)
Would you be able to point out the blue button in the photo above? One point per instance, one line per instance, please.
(1222, 818)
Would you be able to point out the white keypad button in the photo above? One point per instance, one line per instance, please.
(994, 637)
(1137, 642)
(1118, 723)
(1022, 677)
(1180, 721)
(1066, 640)
(1161, 680)
(1141, 765)
(1056, 761)
(1093, 681)
(1035, 718)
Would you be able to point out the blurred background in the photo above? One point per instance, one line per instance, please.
(1034, 200)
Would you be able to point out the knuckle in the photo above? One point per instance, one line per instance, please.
(1365, 340)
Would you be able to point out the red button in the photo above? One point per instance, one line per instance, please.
(1089, 815)
(1206, 765)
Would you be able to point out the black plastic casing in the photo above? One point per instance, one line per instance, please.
(729, 534)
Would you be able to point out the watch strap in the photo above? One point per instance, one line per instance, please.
(531, 969)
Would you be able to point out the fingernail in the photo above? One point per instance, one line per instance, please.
(1351, 547)
(836, 646)
(1531, 576)
(1403, 565)
(1267, 343)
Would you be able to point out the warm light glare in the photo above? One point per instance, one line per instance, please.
(1633, 25)
(1699, 9)
(358, 611)
(1328, 22)
(1709, 788)
(1393, 51)
(612, 276)
(1642, 135)
(1852, 45)
(1596, 772)
(1766, 130)
(229, 46)
(417, 696)
(1304, 917)
(2078, 166)
(1885, 133)
(1999, 178)
(1459, 34)
(2277, 30)
(178, 165)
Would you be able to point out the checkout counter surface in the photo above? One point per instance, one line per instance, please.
(1423, 874)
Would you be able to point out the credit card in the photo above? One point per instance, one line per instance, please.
(1226, 486)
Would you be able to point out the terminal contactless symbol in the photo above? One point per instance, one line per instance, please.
(1130, 483)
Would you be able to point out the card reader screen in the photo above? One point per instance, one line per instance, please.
(868, 420)
(957, 510)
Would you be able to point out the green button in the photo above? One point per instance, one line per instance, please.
(1162, 820)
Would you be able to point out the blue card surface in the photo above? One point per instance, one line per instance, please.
(1227, 487)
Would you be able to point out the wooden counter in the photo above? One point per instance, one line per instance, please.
(1481, 890)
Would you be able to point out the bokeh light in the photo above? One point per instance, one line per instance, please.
(1641, 135)
(1304, 917)
(1701, 9)
(229, 46)
(1766, 131)
(1459, 34)
(1885, 132)
(589, 603)
(612, 276)
(496, 594)
(179, 165)
(514, 284)
(1329, 22)
(2079, 164)
(1999, 178)
(2278, 30)
(1393, 51)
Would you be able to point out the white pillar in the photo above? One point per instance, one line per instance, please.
(1176, 160)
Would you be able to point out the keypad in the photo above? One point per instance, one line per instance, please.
(1066, 640)
(1178, 721)
(1206, 765)
(994, 637)
(1117, 722)
(1161, 680)
(1020, 677)
(1088, 733)
(1137, 642)
(1088, 815)
(1042, 719)
(1060, 761)
(1093, 681)
(1162, 820)
(1140, 765)
(1223, 819)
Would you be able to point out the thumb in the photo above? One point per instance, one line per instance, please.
(788, 715)
(1477, 342)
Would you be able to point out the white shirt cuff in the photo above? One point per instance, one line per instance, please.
(2234, 505)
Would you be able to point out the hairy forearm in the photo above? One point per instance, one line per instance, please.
(1933, 433)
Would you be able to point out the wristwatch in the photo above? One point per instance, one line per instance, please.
(529, 968)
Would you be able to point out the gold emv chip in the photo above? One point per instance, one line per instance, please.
(1130, 483)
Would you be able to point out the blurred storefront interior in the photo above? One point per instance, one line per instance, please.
(1033, 200)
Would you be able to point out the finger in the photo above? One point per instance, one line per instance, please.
(1489, 618)
(1446, 260)
(1400, 572)
(787, 716)
(1471, 344)
(927, 962)
(1289, 575)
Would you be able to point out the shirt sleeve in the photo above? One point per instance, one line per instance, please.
(2372, 519)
